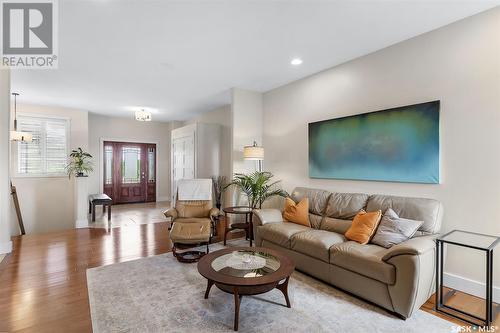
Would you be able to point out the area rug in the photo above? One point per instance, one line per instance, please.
(159, 294)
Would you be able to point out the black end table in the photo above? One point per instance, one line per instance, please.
(100, 199)
(247, 225)
(474, 241)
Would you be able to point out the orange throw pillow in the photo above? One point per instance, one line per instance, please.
(297, 213)
(363, 226)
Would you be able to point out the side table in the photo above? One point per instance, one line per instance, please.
(474, 241)
(247, 225)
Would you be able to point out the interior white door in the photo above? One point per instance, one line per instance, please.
(183, 154)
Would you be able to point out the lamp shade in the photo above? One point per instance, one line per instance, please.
(253, 153)
(21, 136)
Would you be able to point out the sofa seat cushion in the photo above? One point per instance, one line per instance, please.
(363, 259)
(316, 243)
(281, 233)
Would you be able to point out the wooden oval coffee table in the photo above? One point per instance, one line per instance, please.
(244, 271)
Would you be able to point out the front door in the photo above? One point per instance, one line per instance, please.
(130, 171)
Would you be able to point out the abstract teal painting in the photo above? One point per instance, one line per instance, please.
(398, 145)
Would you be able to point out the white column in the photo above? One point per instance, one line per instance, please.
(247, 115)
(247, 111)
(81, 202)
(5, 198)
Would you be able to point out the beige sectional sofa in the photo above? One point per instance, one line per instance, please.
(399, 279)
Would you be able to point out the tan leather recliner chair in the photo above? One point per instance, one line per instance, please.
(192, 222)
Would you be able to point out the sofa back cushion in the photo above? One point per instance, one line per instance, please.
(315, 220)
(427, 210)
(317, 198)
(345, 205)
(336, 225)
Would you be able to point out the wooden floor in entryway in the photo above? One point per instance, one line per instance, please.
(43, 285)
(131, 214)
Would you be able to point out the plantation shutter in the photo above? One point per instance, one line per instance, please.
(47, 153)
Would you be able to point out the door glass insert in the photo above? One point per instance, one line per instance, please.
(151, 165)
(131, 165)
(108, 165)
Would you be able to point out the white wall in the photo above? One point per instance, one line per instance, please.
(458, 64)
(5, 197)
(47, 203)
(223, 117)
(113, 128)
(247, 109)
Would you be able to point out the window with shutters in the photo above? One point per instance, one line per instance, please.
(47, 154)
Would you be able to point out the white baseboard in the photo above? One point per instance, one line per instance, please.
(469, 286)
(82, 223)
(6, 247)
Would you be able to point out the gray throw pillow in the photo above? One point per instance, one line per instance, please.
(393, 229)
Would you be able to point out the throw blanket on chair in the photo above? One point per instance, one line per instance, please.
(194, 189)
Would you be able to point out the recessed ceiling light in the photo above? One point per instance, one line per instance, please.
(296, 61)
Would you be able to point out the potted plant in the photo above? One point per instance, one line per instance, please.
(258, 187)
(80, 163)
(219, 183)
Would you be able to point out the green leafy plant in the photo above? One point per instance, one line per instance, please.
(80, 163)
(219, 183)
(258, 187)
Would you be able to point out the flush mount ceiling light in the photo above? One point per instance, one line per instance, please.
(142, 115)
(296, 61)
(16, 135)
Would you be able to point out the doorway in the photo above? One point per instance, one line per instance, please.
(183, 163)
(129, 171)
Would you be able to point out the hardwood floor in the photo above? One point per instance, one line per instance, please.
(464, 302)
(131, 214)
(43, 285)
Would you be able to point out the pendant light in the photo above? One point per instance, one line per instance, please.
(15, 135)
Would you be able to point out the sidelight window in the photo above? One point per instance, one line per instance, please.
(151, 165)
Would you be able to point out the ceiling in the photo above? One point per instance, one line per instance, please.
(180, 58)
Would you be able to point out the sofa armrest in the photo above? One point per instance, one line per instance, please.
(414, 261)
(413, 246)
(267, 215)
(214, 212)
(171, 212)
(261, 217)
